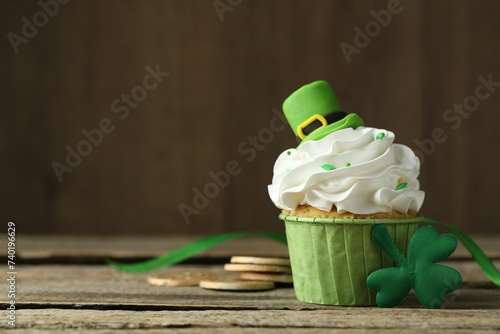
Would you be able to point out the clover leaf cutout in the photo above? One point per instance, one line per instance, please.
(430, 281)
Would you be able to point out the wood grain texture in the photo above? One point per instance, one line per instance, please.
(242, 330)
(97, 297)
(338, 318)
(54, 297)
(71, 249)
(103, 287)
(248, 330)
(77, 298)
(225, 79)
(74, 249)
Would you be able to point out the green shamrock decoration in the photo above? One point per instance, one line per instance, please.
(430, 281)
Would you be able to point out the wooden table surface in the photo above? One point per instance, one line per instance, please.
(62, 284)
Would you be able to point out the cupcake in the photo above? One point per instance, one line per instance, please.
(339, 182)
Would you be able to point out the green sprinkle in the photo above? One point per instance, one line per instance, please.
(288, 152)
(348, 164)
(401, 186)
(380, 135)
(328, 167)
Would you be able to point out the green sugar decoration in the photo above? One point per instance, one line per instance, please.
(288, 152)
(401, 185)
(380, 135)
(328, 167)
(348, 164)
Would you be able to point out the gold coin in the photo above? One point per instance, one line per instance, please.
(236, 284)
(265, 268)
(277, 278)
(261, 260)
(178, 279)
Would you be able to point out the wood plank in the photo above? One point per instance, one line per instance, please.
(94, 248)
(450, 71)
(226, 77)
(32, 247)
(489, 244)
(472, 275)
(83, 297)
(102, 286)
(252, 330)
(332, 318)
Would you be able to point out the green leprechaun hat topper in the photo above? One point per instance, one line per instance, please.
(313, 112)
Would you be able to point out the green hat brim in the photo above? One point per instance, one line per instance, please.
(350, 121)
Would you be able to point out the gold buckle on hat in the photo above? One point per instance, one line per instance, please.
(307, 122)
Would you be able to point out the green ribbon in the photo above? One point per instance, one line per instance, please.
(477, 253)
(185, 252)
(189, 250)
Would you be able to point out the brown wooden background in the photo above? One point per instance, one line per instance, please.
(225, 79)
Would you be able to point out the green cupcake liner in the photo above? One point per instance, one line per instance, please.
(331, 258)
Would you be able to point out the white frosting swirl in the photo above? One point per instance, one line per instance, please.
(358, 170)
